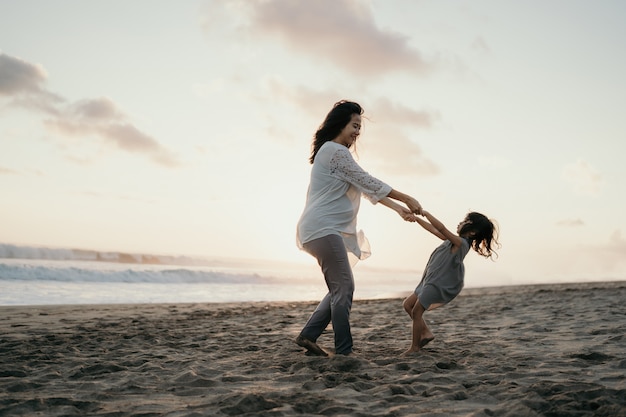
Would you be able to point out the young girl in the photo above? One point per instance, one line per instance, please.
(443, 276)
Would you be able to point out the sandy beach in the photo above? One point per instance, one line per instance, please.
(553, 350)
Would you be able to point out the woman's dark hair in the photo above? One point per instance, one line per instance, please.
(335, 121)
(483, 234)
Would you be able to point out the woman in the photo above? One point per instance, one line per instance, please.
(327, 227)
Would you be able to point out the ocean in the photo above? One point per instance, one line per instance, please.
(47, 276)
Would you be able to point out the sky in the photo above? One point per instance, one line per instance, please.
(184, 128)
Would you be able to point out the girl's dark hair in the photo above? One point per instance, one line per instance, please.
(483, 234)
(335, 121)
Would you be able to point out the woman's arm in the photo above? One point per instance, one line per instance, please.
(410, 202)
(343, 166)
(404, 212)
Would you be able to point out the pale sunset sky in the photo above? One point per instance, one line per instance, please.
(184, 127)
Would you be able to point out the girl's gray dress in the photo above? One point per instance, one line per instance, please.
(443, 276)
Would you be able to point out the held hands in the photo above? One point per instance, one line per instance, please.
(406, 214)
(414, 205)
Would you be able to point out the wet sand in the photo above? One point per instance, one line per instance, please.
(553, 350)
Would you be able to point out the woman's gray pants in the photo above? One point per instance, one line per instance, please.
(332, 257)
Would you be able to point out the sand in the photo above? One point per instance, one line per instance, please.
(555, 350)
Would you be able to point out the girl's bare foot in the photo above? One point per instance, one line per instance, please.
(427, 336)
(423, 342)
(426, 340)
(411, 351)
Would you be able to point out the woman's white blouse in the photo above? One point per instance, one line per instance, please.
(334, 196)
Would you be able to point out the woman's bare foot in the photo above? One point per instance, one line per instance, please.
(310, 346)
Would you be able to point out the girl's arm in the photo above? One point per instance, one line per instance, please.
(442, 230)
(430, 228)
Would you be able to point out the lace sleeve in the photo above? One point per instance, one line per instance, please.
(344, 167)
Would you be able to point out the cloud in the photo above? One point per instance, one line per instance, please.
(398, 114)
(114, 131)
(101, 117)
(480, 45)
(583, 178)
(392, 150)
(131, 139)
(97, 109)
(378, 111)
(18, 76)
(23, 83)
(386, 128)
(7, 171)
(389, 141)
(342, 32)
(314, 102)
(570, 223)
